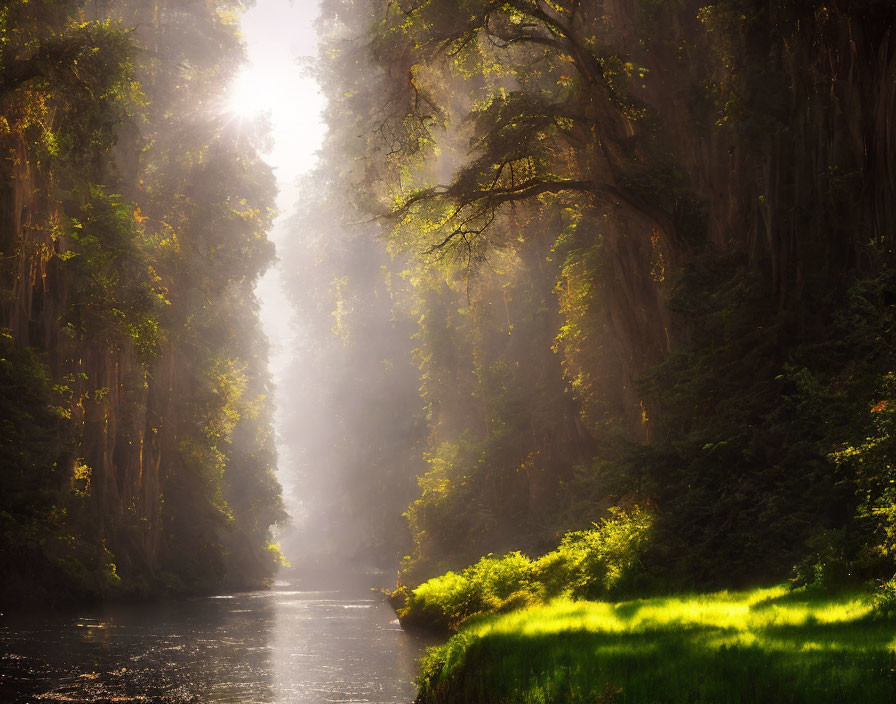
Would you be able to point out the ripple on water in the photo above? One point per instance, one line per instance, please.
(266, 648)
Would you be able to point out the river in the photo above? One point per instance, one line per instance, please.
(270, 647)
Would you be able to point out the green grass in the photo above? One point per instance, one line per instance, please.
(763, 646)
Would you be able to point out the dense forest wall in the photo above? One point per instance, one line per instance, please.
(646, 247)
(137, 451)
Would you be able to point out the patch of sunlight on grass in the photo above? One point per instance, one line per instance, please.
(851, 611)
(755, 610)
(739, 647)
(757, 596)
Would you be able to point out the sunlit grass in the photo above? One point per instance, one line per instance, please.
(741, 612)
(766, 645)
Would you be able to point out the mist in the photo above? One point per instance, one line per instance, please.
(555, 336)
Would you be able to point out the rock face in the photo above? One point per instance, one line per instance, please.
(141, 457)
(656, 267)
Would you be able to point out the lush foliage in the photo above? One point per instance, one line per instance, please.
(137, 452)
(646, 253)
(587, 565)
(757, 646)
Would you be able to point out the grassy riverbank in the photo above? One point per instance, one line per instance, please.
(766, 645)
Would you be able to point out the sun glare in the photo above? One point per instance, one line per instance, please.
(289, 103)
(250, 94)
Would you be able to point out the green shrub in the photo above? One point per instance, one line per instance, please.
(500, 577)
(603, 560)
(885, 601)
(827, 566)
(442, 602)
(587, 565)
(446, 601)
(553, 573)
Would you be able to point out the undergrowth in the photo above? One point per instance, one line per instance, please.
(587, 565)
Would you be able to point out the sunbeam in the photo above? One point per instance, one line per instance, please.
(251, 93)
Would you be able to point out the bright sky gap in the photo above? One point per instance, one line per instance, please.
(274, 85)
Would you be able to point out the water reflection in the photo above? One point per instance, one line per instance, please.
(279, 646)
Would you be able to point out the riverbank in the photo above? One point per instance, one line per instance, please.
(765, 645)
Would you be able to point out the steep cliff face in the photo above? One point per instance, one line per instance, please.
(777, 120)
(781, 117)
(131, 234)
(653, 265)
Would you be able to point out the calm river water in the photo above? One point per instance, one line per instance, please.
(278, 646)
